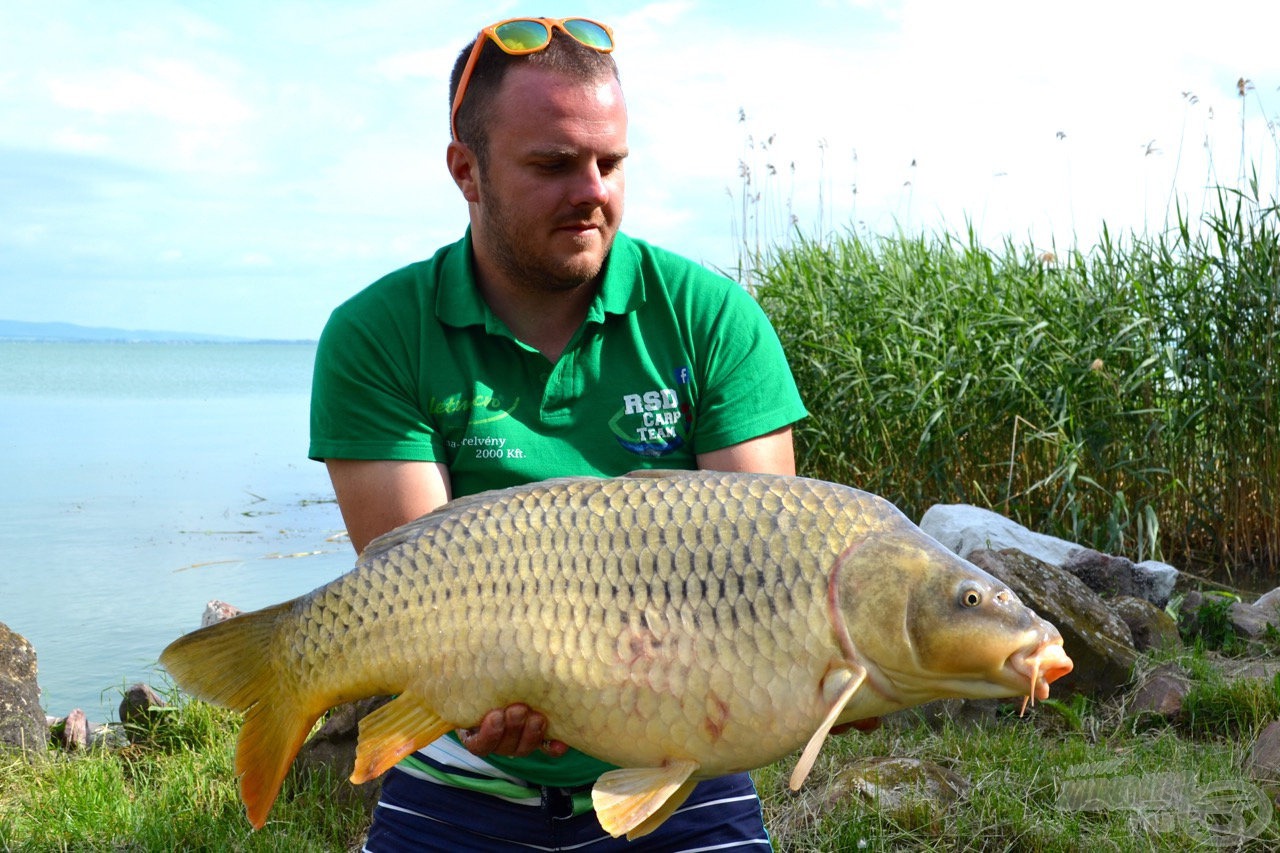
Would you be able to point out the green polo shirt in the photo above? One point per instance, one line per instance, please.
(672, 361)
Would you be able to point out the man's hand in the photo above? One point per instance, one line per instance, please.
(511, 732)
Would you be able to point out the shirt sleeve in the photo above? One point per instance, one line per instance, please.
(364, 391)
(749, 390)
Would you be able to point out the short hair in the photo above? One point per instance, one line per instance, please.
(564, 55)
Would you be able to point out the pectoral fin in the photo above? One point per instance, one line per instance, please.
(843, 683)
(636, 800)
(393, 731)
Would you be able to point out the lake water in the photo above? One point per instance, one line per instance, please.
(137, 482)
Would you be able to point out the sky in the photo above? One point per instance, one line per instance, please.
(240, 168)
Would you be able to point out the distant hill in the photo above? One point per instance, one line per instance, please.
(17, 330)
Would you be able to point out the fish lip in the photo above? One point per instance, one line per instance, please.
(1040, 663)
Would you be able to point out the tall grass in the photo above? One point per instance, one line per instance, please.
(1125, 398)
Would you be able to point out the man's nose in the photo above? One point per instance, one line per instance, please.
(590, 186)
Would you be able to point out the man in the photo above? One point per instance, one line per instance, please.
(544, 343)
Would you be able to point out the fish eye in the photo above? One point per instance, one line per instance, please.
(970, 597)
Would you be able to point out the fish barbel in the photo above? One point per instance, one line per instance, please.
(679, 625)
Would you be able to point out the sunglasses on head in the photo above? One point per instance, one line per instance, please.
(520, 36)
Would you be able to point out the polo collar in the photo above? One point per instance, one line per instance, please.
(458, 300)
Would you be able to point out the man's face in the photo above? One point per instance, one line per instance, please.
(550, 196)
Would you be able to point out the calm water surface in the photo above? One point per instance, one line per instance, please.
(142, 480)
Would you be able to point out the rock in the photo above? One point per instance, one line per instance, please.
(1151, 628)
(1161, 692)
(1220, 619)
(1263, 764)
(911, 792)
(217, 611)
(1106, 575)
(71, 732)
(1156, 581)
(1095, 638)
(1266, 670)
(1249, 621)
(1112, 577)
(22, 723)
(138, 712)
(965, 529)
(1269, 604)
(332, 749)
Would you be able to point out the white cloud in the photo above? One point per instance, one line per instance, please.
(161, 88)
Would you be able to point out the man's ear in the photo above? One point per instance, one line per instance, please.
(465, 170)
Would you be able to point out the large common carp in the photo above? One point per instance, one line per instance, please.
(680, 625)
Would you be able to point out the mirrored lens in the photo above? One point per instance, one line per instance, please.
(589, 33)
(523, 35)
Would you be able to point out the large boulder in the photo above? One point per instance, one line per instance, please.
(22, 723)
(1113, 577)
(965, 529)
(1096, 639)
(1269, 604)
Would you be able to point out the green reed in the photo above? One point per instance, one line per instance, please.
(1124, 397)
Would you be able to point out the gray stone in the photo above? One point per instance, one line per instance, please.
(909, 791)
(1249, 621)
(1098, 642)
(1216, 617)
(1156, 581)
(1263, 764)
(1161, 693)
(1106, 575)
(22, 723)
(1152, 628)
(1269, 604)
(138, 709)
(217, 611)
(72, 731)
(965, 529)
(1111, 576)
(332, 750)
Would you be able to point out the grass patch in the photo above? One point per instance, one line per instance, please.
(173, 790)
(1034, 788)
(1071, 775)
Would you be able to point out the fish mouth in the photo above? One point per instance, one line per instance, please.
(1039, 665)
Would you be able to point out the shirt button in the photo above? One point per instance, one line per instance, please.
(544, 378)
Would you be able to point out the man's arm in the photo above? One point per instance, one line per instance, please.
(378, 496)
(771, 453)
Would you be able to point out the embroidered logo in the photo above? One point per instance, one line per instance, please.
(652, 423)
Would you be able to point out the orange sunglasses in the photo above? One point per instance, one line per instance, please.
(520, 36)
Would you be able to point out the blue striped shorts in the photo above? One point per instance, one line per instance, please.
(415, 815)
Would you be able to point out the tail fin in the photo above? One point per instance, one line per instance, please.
(233, 664)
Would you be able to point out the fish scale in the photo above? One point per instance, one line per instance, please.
(679, 625)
